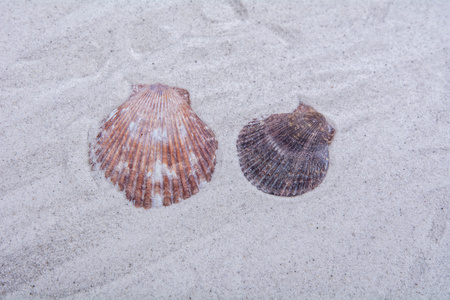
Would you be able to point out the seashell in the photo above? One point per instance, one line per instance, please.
(155, 147)
(286, 154)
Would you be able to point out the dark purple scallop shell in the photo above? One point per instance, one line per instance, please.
(286, 154)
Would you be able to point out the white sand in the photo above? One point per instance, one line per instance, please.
(377, 227)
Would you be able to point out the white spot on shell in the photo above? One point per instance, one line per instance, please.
(159, 134)
(159, 171)
(112, 114)
(121, 165)
(156, 175)
(193, 159)
(157, 200)
(132, 127)
(168, 172)
(182, 131)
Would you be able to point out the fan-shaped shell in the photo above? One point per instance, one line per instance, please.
(155, 147)
(286, 154)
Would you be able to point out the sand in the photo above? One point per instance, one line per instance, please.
(377, 227)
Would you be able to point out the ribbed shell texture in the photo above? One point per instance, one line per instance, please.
(286, 154)
(155, 147)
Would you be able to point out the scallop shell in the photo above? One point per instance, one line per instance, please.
(286, 154)
(155, 147)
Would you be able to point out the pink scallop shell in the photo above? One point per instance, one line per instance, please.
(155, 147)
